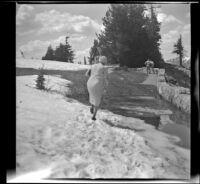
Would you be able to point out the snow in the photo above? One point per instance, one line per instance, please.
(56, 134)
(50, 65)
(63, 132)
(177, 95)
(53, 83)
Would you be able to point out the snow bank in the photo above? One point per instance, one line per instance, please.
(57, 133)
(177, 95)
(50, 65)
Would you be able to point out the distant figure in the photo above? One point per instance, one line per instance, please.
(152, 67)
(97, 83)
(148, 65)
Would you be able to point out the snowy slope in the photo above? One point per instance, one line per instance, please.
(56, 133)
(55, 65)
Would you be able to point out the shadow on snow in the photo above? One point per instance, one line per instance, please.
(125, 94)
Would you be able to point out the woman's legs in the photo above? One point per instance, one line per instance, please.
(95, 112)
(148, 69)
(92, 109)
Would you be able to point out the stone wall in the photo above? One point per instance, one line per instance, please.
(175, 94)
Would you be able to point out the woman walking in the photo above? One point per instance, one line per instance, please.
(97, 83)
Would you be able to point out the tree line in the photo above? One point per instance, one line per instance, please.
(63, 52)
(130, 37)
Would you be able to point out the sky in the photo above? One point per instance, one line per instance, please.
(38, 25)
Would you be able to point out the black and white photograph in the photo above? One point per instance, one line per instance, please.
(103, 91)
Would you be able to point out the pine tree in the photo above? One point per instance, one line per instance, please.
(68, 52)
(63, 53)
(49, 54)
(179, 49)
(130, 38)
(137, 36)
(123, 36)
(154, 38)
(93, 51)
(40, 80)
(60, 54)
(111, 40)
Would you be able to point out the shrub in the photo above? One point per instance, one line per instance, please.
(40, 80)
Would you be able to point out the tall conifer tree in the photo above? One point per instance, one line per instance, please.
(63, 52)
(130, 38)
(179, 49)
(49, 54)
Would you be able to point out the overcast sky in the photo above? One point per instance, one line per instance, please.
(38, 25)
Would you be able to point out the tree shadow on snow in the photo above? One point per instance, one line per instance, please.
(77, 87)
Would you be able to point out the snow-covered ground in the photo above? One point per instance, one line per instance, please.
(56, 133)
(48, 65)
(177, 95)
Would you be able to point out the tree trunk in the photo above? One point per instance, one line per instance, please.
(181, 61)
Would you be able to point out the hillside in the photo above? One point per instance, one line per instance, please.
(182, 76)
(175, 61)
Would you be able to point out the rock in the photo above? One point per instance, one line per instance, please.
(170, 79)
